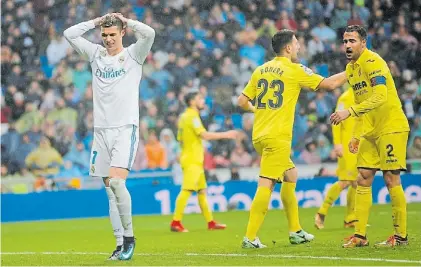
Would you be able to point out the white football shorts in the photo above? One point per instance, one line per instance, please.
(113, 147)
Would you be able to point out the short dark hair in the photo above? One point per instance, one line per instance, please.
(281, 39)
(189, 96)
(110, 21)
(359, 29)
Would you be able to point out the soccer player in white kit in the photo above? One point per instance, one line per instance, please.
(116, 72)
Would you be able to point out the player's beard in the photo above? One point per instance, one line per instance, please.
(295, 58)
(200, 107)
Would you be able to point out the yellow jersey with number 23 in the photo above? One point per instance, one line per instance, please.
(276, 86)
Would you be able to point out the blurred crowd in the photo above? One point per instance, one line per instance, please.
(212, 46)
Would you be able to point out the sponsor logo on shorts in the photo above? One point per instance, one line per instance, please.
(391, 160)
(93, 169)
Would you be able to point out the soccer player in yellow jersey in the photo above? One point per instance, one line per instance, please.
(347, 166)
(380, 135)
(276, 86)
(190, 135)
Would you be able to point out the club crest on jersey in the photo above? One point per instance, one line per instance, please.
(359, 72)
(103, 53)
(121, 59)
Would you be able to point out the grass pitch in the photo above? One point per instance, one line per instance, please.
(90, 241)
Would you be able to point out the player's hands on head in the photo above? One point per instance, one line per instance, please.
(339, 116)
(120, 17)
(98, 21)
(232, 134)
(339, 150)
(353, 145)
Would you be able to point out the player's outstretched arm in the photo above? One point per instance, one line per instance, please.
(333, 82)
(145, 36)
(217, 136)
(74, 36)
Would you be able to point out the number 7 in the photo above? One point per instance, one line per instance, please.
(94, 157)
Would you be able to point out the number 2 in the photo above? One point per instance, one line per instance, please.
(277, 86)
(95, 153)
(389, 148)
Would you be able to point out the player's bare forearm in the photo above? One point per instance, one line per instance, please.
(245, 104)
(334, 81)
(248, 107)
(218, 136)
(378, 98)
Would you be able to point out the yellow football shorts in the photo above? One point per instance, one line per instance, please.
(387, 152)
(347, 166)
(193, 178)
(275, 159)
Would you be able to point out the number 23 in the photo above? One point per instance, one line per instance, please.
(277, 86)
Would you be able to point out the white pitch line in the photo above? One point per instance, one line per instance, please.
(302, 257)
(221, 255)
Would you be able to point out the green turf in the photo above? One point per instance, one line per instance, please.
(156, 245)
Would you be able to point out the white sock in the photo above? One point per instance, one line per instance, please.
(124, 204)
(115, 217)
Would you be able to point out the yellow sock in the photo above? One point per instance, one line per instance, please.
(350, 205)
(258, 210)
(363, 202)
(289, 200)
(398, 200)
(204, 206)
(331, 196)
(180, 204)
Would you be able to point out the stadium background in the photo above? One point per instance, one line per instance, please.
(208, 45)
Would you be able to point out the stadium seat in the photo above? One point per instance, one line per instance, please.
(219, 119)
(237, 120)
(323, 69)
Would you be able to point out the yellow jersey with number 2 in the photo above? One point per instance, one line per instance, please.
(276, 86)
(377, 104)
